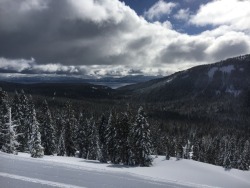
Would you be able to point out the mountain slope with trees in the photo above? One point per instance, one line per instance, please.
(229, 77)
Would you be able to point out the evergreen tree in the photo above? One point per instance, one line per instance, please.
(227, 163)
(24, 117)
(35, 146)
(178, 149)
(70, 125)
(167, 145)
(16, 108)
(123, 129)
(222, 151)
(232, 152)
(94, 147)
(10, 136)
(142, 140)
(61, 151)
(244, 157)
(186, 150)
(4, 118)
(111, 138)
(103, 145)
(80, 135)
(195, 153)
(47, 130)
(87, 139)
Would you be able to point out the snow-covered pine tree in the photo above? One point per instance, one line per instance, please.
(222, 151)
(111, 138)
(244, 157)
(132, 147)
(24, 117)
(103, 146)
(61, 151)
(47, 130)
(10, 136)
(195, 151)
(87, 138)
(4, 106)
(227, 163)
(16, 109)
(80, 135)
(142, 140)
(232, 150)
(93, 138)
(187, 150)
(167, 148)
(178, 149)
(123, 128)
(70, 125)
(35, 146)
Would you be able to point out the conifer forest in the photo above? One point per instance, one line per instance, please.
(120, 131)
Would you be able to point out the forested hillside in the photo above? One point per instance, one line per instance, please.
(126, 132)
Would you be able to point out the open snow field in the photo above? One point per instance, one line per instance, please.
(54, 171)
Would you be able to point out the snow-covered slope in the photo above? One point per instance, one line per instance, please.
(182, 172)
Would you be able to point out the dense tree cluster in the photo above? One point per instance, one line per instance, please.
(115, 137)
(122, 135)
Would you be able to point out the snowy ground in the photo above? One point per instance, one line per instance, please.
(182, 173)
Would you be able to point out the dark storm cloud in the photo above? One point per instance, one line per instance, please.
(230, 48)
(139, 43)
(179, 51)
(51, 34)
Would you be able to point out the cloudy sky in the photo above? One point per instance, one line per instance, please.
(116, 38)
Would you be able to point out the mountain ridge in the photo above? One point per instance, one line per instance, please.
(227, 77)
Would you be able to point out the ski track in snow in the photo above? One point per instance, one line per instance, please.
(235, 178)
(38, 181)
(100, 171)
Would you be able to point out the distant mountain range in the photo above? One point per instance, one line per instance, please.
(229, 77)
(57, 78)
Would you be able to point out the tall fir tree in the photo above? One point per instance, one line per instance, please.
(47, 130)
(142, 139)
(103, 146)
(87, 138)
(24, 117)
(111, 138)
(10, 136)
(61, 151)
(245, 157)
(123, 129)
(70, 125)
(16, 111)
(4, 118)
(35, 145)
(179, 149)
(195, 151)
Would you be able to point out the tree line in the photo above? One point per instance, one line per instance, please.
(116, 137)
(126, 136)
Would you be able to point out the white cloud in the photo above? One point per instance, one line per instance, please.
(159, 9)
(106, 37)
(31, 5)
(182, 14)
(17, 65)
(233, 13)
